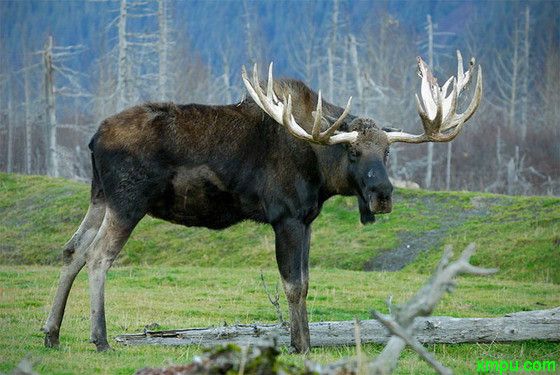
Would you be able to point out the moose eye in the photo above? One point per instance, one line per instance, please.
(354, 155)
(371, 173)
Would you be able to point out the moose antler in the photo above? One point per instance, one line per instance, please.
(438, 110)
(281, 112)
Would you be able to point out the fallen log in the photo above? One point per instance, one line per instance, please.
(520, 326)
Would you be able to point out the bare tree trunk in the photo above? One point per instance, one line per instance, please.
(28, 130)
(499, 164)
(10, 140)
(430, 157)
(511, 176)
(250, 45)
(52, 156)
(344, 67)
(332, 50)
(528, 325)
(225, 77)
(514, 78)
(163, 47)
(356, 66)
(525, 82)
(122, 66)
(330, 70)
(448, 166)
(394, 161)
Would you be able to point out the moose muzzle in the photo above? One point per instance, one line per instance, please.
(375, 204)
(380, 203)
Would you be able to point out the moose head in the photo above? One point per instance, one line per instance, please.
(367, 145)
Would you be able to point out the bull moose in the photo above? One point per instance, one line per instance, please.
(275, 158)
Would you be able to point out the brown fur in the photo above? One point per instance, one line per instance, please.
(214, 166)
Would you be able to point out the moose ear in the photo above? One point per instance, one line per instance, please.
(391, 130)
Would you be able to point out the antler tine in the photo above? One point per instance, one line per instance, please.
(281, 112)
(460, 75)
(289, 121)
(315, 133)
(257, 86)
(287, 113)
(475, 102)
(437, 109)
(249, 87)
(270, 84)
(463, 79)
(450, 104)
(334, 127)
(426, 90)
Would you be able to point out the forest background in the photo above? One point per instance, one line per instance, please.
(67, 65)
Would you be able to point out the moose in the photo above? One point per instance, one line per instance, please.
(274, 158)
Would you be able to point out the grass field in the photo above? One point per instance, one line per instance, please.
(189, 277)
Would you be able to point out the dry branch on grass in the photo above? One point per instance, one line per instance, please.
(407, 324)
(275, 301)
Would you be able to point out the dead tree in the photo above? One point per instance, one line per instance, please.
(226, 78)
(401, 320)
(123, 72)
(332, 49)
(357, 71)
(302, 57)
(430, 155)
(525, 75)
(28, 128)
(50, 108)
(250, 43)
(163, 47)
(386, 76)
(507, 69)
(143, 51)
(11, 130)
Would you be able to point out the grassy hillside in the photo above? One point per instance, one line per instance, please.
(520, 235)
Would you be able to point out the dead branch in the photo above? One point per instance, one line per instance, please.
(401, 323)
(532, 325)
(274, 301)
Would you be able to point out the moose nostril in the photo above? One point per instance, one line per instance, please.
(384, 188)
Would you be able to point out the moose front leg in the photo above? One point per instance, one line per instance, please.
(292, 255)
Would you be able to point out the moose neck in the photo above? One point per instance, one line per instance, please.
(332, 162)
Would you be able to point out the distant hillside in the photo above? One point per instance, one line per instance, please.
(520, 235)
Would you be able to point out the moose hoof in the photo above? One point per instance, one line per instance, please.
(298, 350)
(103, 347)
(51, 340)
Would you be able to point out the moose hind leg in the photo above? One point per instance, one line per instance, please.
(74, 259)
(109, 241)
(292, 255)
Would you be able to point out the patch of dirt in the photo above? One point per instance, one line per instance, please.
(412, 244)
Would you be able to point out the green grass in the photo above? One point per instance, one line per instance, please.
(191, 277)
(181, 297)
